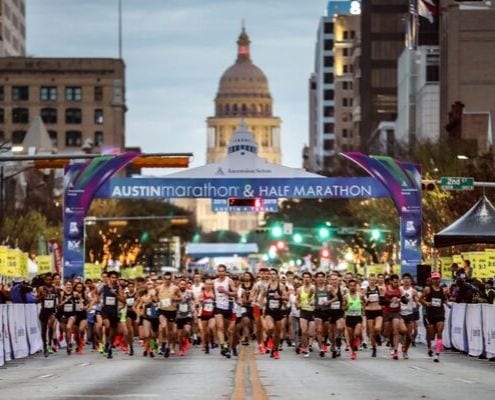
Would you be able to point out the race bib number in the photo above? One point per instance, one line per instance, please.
(435, 302)
(110, 301)
(183, 308)
(165, 303)
(68, 307)
(335, 305)
(130, 301)
(78, 306)
(394, 303)
(274, 304)
(208, 307)
(148, 312)
(48, 303)
(354, 313)
(322, 301)
(373, 297)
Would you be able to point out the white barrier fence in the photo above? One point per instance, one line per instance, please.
(469, 328)
(20, 333)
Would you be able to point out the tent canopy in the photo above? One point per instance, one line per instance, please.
(476, 226)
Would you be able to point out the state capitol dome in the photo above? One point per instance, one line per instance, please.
(243, 90)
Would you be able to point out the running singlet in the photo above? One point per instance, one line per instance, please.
(337, 305)
(307, 302)
(321, 298)
(222, 300)
(68, 308)
(151, 310)
(408, 308)
(207, 305)
(373, 295)
(354, 306)
(273, 299)
(184, 310)
(165, 295)
(109, 300)
(437, 300)
(393, 296)
(49, 301)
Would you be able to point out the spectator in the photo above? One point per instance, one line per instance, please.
(490, 291)
(454, 268)
(463, 293)
(465, 272)
(4, 293)
(21, 292)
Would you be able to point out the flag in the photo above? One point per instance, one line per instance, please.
(428, 9)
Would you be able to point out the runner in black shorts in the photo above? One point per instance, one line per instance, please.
(111, 295)
(47, 296)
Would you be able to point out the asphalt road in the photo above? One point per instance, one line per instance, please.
(250, 376)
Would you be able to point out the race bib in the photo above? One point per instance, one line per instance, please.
(436, 302)
(394, 303)
(374, 297)
(183, 308)
(322, 301)
(208, 307)
(130, 301)
(68, 307)
(48, 303)
(354, 313)
(274, 304)
(165, 303)
(78, 306)
(110, 301)
(335, 305)
(148, 312)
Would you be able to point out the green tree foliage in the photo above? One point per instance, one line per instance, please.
(23, 230)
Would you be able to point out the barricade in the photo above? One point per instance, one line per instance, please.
(20, 331)
(488, 320)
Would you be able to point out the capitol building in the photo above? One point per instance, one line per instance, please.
(243, 95)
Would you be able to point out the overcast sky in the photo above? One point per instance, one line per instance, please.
(176, 52)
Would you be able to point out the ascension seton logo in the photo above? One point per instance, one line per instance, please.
(220, 171)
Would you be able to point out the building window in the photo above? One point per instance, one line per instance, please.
(98, 116)
(2, 93)
(53, 137)
(20, 115)
(432, 73)
(348, 68)
(352, 34)
(346, 52)
(98, 138)
(73, 116)
(346, 35)
(347, 85)
(2, 136)
(73, 93)
(243, 110)
(328, 94)
(234, 109)
(347, 102)
(73, 138)
(328, 144)
(49, 115)
(328, 27)
(18, 137)
(328, 61)
(98, 93)
(328, 111)
(20, 93)
(345, 133)
(328, 44)
(48, 93)
(2, 116)
(328, 77)
(328, 127)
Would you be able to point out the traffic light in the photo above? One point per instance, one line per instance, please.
(376, 234)
(427, 185)
(281, 245)
(323, 233)
(276, 231)
(145, 236)
(325, 253)
(297, 238)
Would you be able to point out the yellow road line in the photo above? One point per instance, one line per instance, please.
(259, 392)
(246, 359)
(239, 380)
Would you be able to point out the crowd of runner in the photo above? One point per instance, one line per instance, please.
(323, 314)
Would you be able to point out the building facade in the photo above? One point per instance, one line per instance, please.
(331, 87)
(80, 100)
(12, 28)
(467, 65)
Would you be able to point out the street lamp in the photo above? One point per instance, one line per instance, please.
(462, 157)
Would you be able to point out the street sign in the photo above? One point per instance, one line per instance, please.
(288, 226)
(456, 183)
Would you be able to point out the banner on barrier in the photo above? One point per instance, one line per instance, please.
(458, 327)
(474, 330)
(33, 328)
(447, 341)
(488, 314)
(17, 329)
(7, 347)
(2, 356)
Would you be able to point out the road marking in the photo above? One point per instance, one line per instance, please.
(418, 368)
(107, 396)
(246, 370)
(239, 379)
(84, 365)
(44, 376)
(464, 381)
